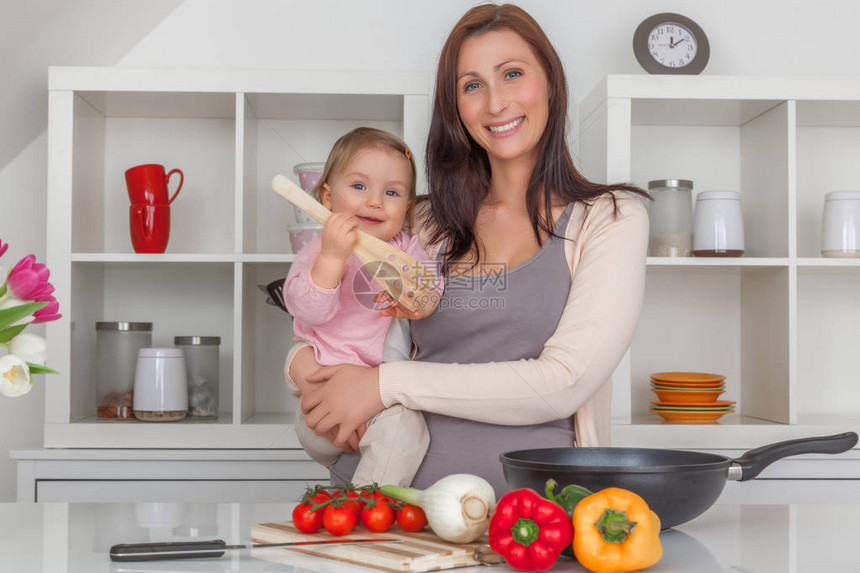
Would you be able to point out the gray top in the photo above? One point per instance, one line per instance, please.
(505, 316)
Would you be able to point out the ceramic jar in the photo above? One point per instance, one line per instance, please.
(719, 225)
(160, 387)
(840, 225)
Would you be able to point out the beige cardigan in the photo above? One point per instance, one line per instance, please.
(573, 374)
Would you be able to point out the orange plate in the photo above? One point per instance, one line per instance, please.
(706, 405)
(687, 396)
(690, 417)
(688, 384)
(688, 377)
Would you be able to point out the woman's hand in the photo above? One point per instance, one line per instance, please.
(347, 400)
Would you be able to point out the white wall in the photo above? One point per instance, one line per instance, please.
(593, 38)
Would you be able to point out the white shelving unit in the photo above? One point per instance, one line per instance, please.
(780, 322)
(230, 132)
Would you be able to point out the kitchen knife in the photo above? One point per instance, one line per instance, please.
(158, 551)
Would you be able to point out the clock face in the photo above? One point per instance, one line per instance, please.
(672, 45)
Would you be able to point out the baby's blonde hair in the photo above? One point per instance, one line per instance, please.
(344, 150)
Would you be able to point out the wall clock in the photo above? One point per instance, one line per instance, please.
(671, 44)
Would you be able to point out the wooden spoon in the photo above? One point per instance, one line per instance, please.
(404, 278)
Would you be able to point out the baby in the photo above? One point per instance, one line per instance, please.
(369, 184)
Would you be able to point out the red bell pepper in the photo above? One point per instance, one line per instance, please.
(529, 531)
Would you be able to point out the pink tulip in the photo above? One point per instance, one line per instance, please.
(29, 279)
(3, 247)
(49, 313)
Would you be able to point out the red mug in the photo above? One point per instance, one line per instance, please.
(150, 227)
(147, 184)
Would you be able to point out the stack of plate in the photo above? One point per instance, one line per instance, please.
(689, 397)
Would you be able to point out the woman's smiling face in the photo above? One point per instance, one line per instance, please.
(502, 95)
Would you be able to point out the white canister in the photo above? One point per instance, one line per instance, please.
(718, 228)
(840, 225)
(160, 386)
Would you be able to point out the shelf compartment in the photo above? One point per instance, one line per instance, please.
(828, 340)
(828, 144)
(134, 128)
(283, 130)
(736, 142)
(190, 299)
(685, 305)
(266, 335)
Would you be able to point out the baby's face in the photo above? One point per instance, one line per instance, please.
(375, 187)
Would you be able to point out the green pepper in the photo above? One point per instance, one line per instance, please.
(567, 498)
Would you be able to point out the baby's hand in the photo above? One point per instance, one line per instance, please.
(397, 310)
(339, 235)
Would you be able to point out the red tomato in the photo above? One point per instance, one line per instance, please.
(339, 520)
(356, 497)
(377, 518)
(321, 496)
(411, 518)
(305, 520)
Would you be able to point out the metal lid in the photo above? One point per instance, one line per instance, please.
(140, 326)
(682, 183)
(160, 353)
(708, 195)
(196, 340)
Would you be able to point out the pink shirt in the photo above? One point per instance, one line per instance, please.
(343, 324)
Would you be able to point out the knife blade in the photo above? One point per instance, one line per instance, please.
(158, 551)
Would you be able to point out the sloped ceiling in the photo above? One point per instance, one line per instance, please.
(35, 34)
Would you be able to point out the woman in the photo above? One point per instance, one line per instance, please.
(544, 270)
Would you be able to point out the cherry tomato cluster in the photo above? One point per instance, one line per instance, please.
(338, 509)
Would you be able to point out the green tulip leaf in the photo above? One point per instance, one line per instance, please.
(8, 334)
(38, 369)
(14, 314)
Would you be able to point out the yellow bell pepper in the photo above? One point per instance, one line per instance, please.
(615, 532)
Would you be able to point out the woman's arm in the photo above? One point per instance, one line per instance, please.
(608, 277)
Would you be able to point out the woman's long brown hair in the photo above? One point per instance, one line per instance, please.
(458, 169)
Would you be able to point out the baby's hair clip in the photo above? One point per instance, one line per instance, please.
(407, 153)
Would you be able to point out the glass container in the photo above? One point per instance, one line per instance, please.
(117, 346)
(202, 366)
(671, 218)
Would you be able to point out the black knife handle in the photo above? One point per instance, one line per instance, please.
(167, 550)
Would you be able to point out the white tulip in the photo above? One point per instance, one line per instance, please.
(30, 348)
(15, 379)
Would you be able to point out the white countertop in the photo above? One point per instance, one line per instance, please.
(75, 538)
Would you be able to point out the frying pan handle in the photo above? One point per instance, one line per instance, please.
(754, 461)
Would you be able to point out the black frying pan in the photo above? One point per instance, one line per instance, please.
(678, 485)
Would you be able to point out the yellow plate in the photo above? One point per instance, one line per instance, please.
(688, 377)
(703, 405)
(687, 396)
(687, 384)
(673, 417)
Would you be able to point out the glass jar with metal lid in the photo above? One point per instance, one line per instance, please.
(671, 218)
(117, 346)
(202, 368)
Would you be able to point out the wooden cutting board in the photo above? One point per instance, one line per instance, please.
(419, 552)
